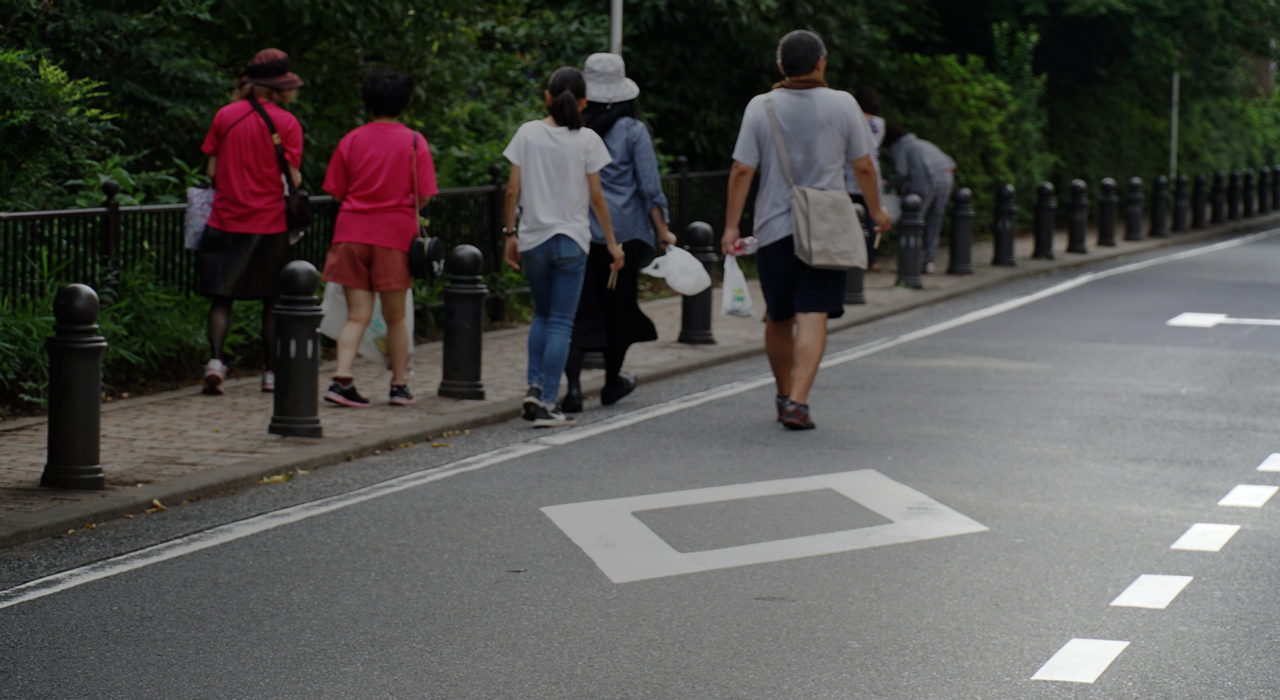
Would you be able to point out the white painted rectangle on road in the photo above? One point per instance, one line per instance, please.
(1194, 320)
(1271, 463)
(1080, 661)
(626, 549)
(1152, 591)
(1206, 537)
(1249, 496)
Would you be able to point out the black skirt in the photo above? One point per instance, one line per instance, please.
(241, 265)
(611, 318)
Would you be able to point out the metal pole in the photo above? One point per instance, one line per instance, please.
(695, 311)
(615, 29)
(463, 324)
(297, 353)
(1173, 131)
(75, 392)
(910, 241)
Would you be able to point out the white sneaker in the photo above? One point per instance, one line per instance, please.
(214, 372)
(268, 381)
(930, 268)
(545, 417)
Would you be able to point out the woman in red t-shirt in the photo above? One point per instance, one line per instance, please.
(246, 245)
(373, 173)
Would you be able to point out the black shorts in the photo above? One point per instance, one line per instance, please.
(792, 287)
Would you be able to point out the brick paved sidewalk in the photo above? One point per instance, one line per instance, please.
(182, 444)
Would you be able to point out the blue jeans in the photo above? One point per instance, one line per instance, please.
(554, 271)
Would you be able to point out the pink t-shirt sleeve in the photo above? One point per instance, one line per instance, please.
(426, 168)
(335, 176)
(211, 140)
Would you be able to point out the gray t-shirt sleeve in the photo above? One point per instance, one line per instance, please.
(747, 149)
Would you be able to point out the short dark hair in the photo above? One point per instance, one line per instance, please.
(892, 133)
(386, 92)
(868, 100)
(799, 51)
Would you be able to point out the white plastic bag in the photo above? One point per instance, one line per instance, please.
(735, 299)
(684, 274)
(199, 207)
(374, 342)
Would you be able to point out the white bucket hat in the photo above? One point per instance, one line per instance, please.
(607, 79)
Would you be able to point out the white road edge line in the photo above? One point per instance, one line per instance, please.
(1151, 591)
(1080, 661)
(1206, 537)
(1249, 496)
(199, 541)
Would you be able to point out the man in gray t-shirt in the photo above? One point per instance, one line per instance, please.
(822, 129)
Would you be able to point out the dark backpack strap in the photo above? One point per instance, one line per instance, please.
(275, 141)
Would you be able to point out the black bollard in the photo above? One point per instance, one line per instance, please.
(695, 311)
(1108, 203)
(1133, 211)
(75, 392)
(1233, 196)
(463, 324)
(1247, 192)
(1199, 198)
(1264, 190)
(1002, 233)
(1078, 218)
(1160, 207)
(910, 242)
(853, 291)
(962, 216)
(1181, 203)
(1219, 213)
(1045, 208)
(297, 353)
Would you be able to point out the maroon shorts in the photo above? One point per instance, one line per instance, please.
(370, 267)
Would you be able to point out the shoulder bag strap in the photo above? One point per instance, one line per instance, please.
(413, 165)
(778, 143)
(275, 142)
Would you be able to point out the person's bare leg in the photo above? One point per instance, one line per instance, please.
(359, 312)
(779, 345)
(810, 343)
(393, 312)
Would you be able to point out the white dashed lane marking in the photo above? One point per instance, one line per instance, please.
(1271, 463)
(1206, 537)
(1249, 496)
(1153, 591)
(1080, 661)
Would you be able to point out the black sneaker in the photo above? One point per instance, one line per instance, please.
(532, 400)
(345, 395)
(572, 401)
(401, 396)
(610, 395)
(795, 416)
(554, 418)
(781, 403)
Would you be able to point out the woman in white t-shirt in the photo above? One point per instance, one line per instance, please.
(555, 177)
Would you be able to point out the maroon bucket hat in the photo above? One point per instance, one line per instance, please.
(270, 68)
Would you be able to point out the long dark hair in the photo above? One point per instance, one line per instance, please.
(601, 116)
(567, 86)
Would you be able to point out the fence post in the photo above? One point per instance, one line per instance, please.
(1275, 186)
(853, 277)
(1078, 218)
(1133, 211)
(75, 392)
(297, 353)
(1160, 207)
(1198, 201)
(1181, 203)
(497, 242)
(962, 216)
(1264, 190)
(463, 324)
(1233, 196)
(1006, 210)
(695, 311)
(109, 260)
(1045, 208)
(910, 235)
(1219, 213)
(1247, 192)
(682, 191)
(1108, 204)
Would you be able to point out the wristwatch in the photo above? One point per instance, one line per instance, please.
(508, 232)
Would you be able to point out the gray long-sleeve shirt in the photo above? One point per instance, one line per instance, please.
(915, 161)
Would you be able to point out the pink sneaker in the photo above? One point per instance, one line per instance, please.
(214, 372)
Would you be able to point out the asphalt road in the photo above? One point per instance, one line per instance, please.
(988, 477)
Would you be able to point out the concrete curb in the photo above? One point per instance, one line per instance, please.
(27, 527)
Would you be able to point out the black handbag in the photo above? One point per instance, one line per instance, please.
(297, 203)
(426, 254)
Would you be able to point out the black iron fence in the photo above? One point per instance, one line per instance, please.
(87, 245)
